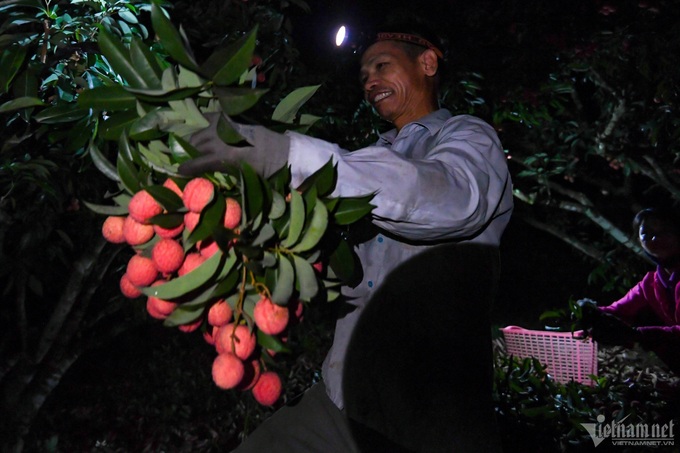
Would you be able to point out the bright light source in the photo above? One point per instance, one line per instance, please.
(340, 36)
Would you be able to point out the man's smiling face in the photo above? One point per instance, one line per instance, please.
(395, 84)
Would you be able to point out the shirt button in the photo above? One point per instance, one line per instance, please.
(370, 283)
(380, 239)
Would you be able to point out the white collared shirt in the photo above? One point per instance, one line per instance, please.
(441, 178)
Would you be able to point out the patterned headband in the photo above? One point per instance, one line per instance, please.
(412, 39)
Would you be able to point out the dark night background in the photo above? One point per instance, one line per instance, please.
(540, 272)
(151, 386)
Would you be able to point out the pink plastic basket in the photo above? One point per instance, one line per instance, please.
(566, 358)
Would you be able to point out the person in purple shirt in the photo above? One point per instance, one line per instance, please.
(649, 313)
(410, 368)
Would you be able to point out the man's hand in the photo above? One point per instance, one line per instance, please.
(268, 153)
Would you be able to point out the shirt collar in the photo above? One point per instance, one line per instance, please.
(432, 122)
(669, 281)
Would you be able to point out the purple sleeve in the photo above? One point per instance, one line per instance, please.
(634, 302)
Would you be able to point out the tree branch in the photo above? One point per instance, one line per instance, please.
(656, 174)
(584, 248)
(81, 271)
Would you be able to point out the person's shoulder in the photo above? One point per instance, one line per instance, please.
(465, 120)
(467, 127)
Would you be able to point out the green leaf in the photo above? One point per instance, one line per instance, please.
(127, 171)
(211, 219)
(181, 149)
(237, 100)
(167, 220)
(305, 277)
(106, 209)
(282, 281)
(227, 284)
(64, 113)
(315, 230)
(226, 65)
(278, 207)
(102, 163)
(186, 283)
(297, 219)
(26, 84)
(127, 16)
(270, 342)
(109, 98)
(342, 261)
(119, 58)
(11, 61)
(253, 200)
(349, 210)
(264, 234)
(20, 103)
(162, 96)
(165, 197)
(145, 63)
(117, 124)
(147, 127)
(171, 39)
(324, 179)
(226, 132)
(287, 109)
(189, 311)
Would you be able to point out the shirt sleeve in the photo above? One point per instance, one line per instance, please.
(634, 303)
(452, 191)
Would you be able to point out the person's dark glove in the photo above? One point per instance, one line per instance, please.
(268, 153)
(587, 311)
(604, 327)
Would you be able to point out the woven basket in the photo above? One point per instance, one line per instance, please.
(566, 358)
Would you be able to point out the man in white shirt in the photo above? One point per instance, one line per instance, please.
(443, 198)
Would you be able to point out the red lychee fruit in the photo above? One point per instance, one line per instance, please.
(191, 262)
(172, 185)
(191, 220)
(159, 308)
(296, 309)
(167, 255)
(141, 271)
(232, 215)
(197, 194)
(267, 390)
(112, 229)
(143, 206)
(128, 289)
(136, 233)
(251, 374)
(209, 336)
(207, 247)
(219, 314)
(270, 318)
(227, 371)
(240, 341)
(188, 328)
(168, 233)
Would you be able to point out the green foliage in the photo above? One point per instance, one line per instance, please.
(273, 250)
(76, 75)
(543, 415)
(593, 139)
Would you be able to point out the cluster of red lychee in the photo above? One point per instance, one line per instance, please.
(161, 256)
(237, 365)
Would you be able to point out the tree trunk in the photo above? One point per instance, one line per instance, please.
(30, 378)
